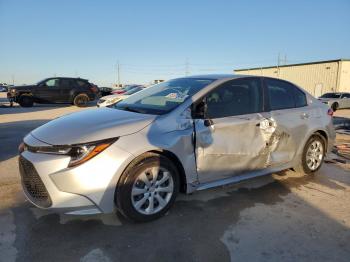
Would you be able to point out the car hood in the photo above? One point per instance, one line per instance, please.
(91, 125)
(26, 87)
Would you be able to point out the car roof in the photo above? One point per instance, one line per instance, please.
(216, 76)
(62, 77)
(340, 93)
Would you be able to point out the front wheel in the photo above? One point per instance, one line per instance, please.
(26, 100)
(313, 155)
(147, 188)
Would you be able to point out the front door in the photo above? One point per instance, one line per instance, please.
(49, 91)
(231, 138)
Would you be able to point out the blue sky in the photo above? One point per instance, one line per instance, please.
(154, 39)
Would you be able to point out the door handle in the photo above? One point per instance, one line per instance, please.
(304, 116)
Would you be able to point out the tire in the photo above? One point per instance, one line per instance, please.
(310, 152)
(26, 101)
(335, 106)
(81, 100)
(138, 207)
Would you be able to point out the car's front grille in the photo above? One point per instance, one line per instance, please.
(32, 184)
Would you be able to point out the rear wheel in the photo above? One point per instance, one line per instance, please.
(147, 188)
(313, 155)
(81, 100)
(26, 101)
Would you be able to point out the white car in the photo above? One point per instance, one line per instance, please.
(336, 100)
(109, 100)
(113, 99)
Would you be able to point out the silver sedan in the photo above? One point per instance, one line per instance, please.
(336, 100)
(183, 135)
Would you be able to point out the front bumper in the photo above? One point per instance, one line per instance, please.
(85, 189)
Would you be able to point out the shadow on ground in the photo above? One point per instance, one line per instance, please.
(16, 109)
(192, 231)
(12, 134)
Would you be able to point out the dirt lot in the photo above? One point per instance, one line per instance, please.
(282, 217)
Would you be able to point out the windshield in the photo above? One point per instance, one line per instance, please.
(164, 97)
(331, 95)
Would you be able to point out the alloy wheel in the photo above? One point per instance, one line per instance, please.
(314, 155)
(152, 190)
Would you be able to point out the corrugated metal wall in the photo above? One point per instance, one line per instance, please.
(316, 78)
(344, 79)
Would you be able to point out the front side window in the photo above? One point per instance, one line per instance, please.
(52, 83)
(283, 95)
(345, 96)
(236, 97)
(164, 97)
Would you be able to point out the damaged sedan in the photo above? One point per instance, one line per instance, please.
(183, 135)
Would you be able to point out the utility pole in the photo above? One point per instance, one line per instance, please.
(13, 80)
(187, 70)
(278, 65)
(285, 59)
(118, 73)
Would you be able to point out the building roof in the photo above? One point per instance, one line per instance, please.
(300, 64)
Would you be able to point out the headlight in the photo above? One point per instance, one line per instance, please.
(79, 153)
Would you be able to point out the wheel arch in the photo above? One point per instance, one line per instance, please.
(171, 156)
(166, 153)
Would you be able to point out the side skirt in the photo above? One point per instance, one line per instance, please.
(239, 178)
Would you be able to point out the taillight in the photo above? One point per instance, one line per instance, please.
(330, 112)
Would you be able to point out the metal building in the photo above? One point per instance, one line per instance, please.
(315, 77)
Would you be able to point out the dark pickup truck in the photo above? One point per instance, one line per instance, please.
(76, 91)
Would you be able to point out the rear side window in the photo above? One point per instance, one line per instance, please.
(346, 95)
(300, 98)
(67, 83)
(236, 97)
(283, 95)
(81, 83)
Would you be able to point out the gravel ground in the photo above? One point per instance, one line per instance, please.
(282, 217)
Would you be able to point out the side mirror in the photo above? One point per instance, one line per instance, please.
(199, 110)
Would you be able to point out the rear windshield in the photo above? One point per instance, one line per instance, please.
(164, 97)
(331, 95)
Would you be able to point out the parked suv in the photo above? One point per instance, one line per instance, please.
(77, 91)
(185, 134)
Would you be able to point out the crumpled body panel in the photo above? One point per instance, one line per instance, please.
(234, 145)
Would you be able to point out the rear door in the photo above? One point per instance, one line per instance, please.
(66, 85)
(291, 115)
(229, 138)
